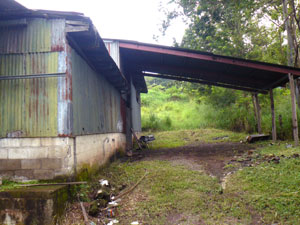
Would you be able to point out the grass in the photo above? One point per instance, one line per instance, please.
(174, 191)
(272, 189)
(8, 184)
(267, 192)
(171, 139)
(279, 148)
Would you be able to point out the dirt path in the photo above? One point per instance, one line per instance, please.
(208, 157)
(202, 203)
(211, 157)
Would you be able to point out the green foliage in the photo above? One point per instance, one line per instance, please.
(169, 107)
(179, 105)
(232, 27)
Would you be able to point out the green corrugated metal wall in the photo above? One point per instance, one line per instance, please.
(28, 64)
(30, 105)
(96, 103)
(40, 35)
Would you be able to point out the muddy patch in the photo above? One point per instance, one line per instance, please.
(208, 157)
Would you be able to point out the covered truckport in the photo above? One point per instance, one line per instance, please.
(180, 64)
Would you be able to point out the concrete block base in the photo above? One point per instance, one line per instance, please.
(47, 158)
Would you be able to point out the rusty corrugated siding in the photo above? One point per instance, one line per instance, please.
(40, 35)
(135, 109)
(113, 50)
(96, 103)
(30, 106)
(32, 63)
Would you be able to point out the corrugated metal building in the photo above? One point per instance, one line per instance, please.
(64, 97)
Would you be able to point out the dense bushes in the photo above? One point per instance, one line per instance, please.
(175, 106)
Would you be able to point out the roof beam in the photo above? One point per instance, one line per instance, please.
(206, 83)
(205, 76)
(209, 57)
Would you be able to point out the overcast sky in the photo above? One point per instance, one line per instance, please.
(136, 20)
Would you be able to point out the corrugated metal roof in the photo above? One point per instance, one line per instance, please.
(202, 67)
(81, 34)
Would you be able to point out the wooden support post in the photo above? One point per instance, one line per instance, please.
(274, 134)
(254, 107)
(294, 109)
(258, 112)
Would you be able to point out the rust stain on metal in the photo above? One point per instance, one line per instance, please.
(64, 135)
(57, 48)
(69, 95)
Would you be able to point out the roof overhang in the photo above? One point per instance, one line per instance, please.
(81, 35)
(11, 5)
(202, 67)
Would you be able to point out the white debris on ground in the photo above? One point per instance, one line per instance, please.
(225, 180)
(135, 223)
(103, 182)
(113, 222)
(113, 203)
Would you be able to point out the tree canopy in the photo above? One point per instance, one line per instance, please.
(252, 29)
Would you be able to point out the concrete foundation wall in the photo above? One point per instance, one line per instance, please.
(36, 158)
(97, 149)
(46, 158)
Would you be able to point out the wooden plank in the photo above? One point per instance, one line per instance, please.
(294, 109)
(76, 23)
(258, 113)
(257, 137)
(52, 184)
(70, 28)
(274, 134)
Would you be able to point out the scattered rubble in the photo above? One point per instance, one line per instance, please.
(250, 158)
(104, 201)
